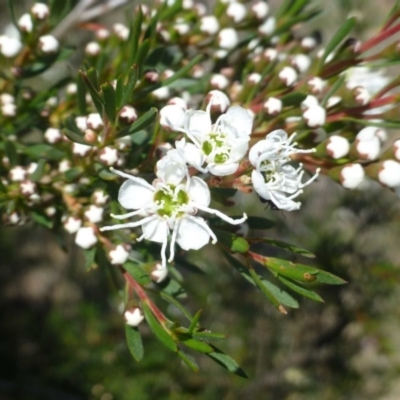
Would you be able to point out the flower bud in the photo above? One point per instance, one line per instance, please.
(119, 255)
(9, 47)
(94, 214)
(288, 76)
(72, 224)
(219, 101)
(361, 95)
(273, 106)
(308, 43)
(267, 27)
(315, 116)
(219, 81)
(337, 147)
(236, 11)
(128, 115)
(134, 316)
(28, 187)
(350, 176)
(40, 11)
(228, 38)
(209, 24)
(48, 44)
(172, 117)
(94, 121)
(17, 174)
(80, 150)
(53, 135)
(316, 84)
(260, 9)
(396, 149)
(85, 237)
(121, 31)
(389, 173)
(92, 49)
(301, 61)
(109, 156)
(159, 273)
(367, 143)
(100, 197)
(25, 23)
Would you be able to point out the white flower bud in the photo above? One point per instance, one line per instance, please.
(53, 135)
(273, 106)
(260, 9)
(268, 27)
(302, 62)
(28, 187)
(308, 43)
(128, 114)
(6, 98)
(228, 38)
(182, 28)
(271, 54)
(219, 81)
(100, 197)
(80, 149)
(48, 44)
(159, 273)
(72, 224)
(309, 101)
(102, 34)
(17, 174)
(178, 101)
(316, 84)
(133, 317)
(109, 156)
(119, 255)
(361, 95)
(64, 166)
(94, 214)
(288, 76)
(14, 218)
(172, 117)
(396, 149)
(94, 121)
(254, 78)
(81, 123)
(162, 93)
(352, 175)
(236, 11)
(315, 116)
(9, 110)
(85, 237)
(389, 174)
(25, 23)
(9, 47)
(367, 143)
(92, 49)
(209, 24)
(337, 147)
(121, 31)
(220, 101)
(50, 211)
(40, 10)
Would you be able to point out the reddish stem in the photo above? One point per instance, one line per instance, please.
(379, 38)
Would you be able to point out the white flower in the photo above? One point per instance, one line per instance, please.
(119, 255)
(209, 24)
(85, 237)
(52, 135)
(172, 116)
(273, 178)
(94, 214)
(109, 155)
(17, 174)
(169, 208)
(236, 11)
(25, 23)
(40, 10)
(361, 95)
(9, 110)
(134, 317)
(288, 76)
(28, 187)
(223, 144)
(9, 47)
(267, 27)
(64, 166)
(72, 224)
(308, 42)
(100, 197)
(396, 149)
(315, 116)
(128, 114)
(228, 38)
(372, 80)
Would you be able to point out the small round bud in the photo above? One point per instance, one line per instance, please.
(133, 317)
(268, 27)
(209, 24)
(72, 224)
(159, 273)
(81, 123)
(17, 174)
(352, 175)
(254, 78)
(28, 188)
(273, 106)
(337, 147)
(228, 38)
(94, 121)
(109, 156)
(100, 197)
(128, 115)
(308, 43)
(367, 143)
(316, 84)
(9, 47)
(94, 214)
(25, 23)
(121, 31)
(93, 49)
(219, 81)
(48, 44)
(85, 237)
(361, 95)
(288, 76)
(102, 34)
(9, 110)
(260, 9)
(40, 11)
(236, 11)
(53, 135)
(389, 173)
(270, 54)
(219, 101)
(80, 150)
(302, 62)
(119, 255)
(315, 116)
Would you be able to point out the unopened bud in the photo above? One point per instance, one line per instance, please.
(48, 44)
(288, 76)
(134, 316)
(273, 106)
(40, 11)
(85, 237)
(119, 255)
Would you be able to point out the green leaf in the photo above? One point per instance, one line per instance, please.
(134, 37)
(134, 342)
(42, 150)
(334, 88)
(104, 172)
(10, 6)
(329, 279)
(259, 223)
(92, 85)
(137, 273)
(90, 255)
(189, 361)
(242, 269)
(198, 346)
(142, 53)
(235, 243)
(337, 39)
(42, 219)
(183, 71)
(172, 287)
(301, 289)
(81, 95)
(176, 303)
(162, 335)
(208, 337)
(73, 173)
(126, 86)
(110, 102)
(293, 99)
(283, 297)
(11, 152)
(194, 321)
(287, 246)
(143, 122)
(388, 124)
(260, 284)
(38, 173)
(227, 362)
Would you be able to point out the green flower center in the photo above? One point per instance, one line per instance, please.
(170, 201)
(216, 144)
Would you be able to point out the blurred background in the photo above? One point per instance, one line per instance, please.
(62, 332)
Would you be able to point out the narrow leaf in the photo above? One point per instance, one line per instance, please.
(134, 342)
(301, 289)
(208, 337)
(176, 303)
(129, 85)
(189, 361)
(198, 346)
(287, 246)
(95, 95)
(283, 297)
(227, 362)
(110, 102)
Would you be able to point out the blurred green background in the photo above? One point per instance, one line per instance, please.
(62, 336)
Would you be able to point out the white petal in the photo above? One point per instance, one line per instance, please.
(259, 185)
(199, 192)
(198, 123)
(223, 169)
(133, 195)
(155, 230)
(192, 235)
(240, 119)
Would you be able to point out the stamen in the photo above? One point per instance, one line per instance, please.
(220, 214)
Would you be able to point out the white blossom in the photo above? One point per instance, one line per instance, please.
(72, 224)
(48, 44)
(80, 149)
(209, 24)
(129, 114)
(25, 23)
(302, 62)
(267, 27)
(109, 156)
(316, 84)
(220, 101)
(172, 116)
(288, 76)
(9, 110)
(40, 10)
(94, 121)
(228, 38)
(133, 317)
(169, 208)
(64, 165)
(100, 197)
(85, 237)
(159, 273)
(260, 9)
(121, 31)
(53, 135)
(118, 255)
(308, 42)
(236, 11)
(28, 187)
(9, 47)
(18, 174)
(92, 49)
(273, 106)
(94, 214)
(367, 143)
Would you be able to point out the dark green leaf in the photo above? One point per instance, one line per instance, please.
(259, 223)
(172, 287)
(73, 173)
(337, 39)
(162, 335)
(142, 53)
(134, 36)
(134, 342)
(329, 279)
(287, 246)
(227, 362)
(143, 122)
(195, 321)
(243, 270)
(42, 150)
(333, 89)
(10, 6)
(92, 85)
(301, 289)
(293, 99)
(110, 102)
(81, 95)
(74, 137)
(11, 153)
(183, 71)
